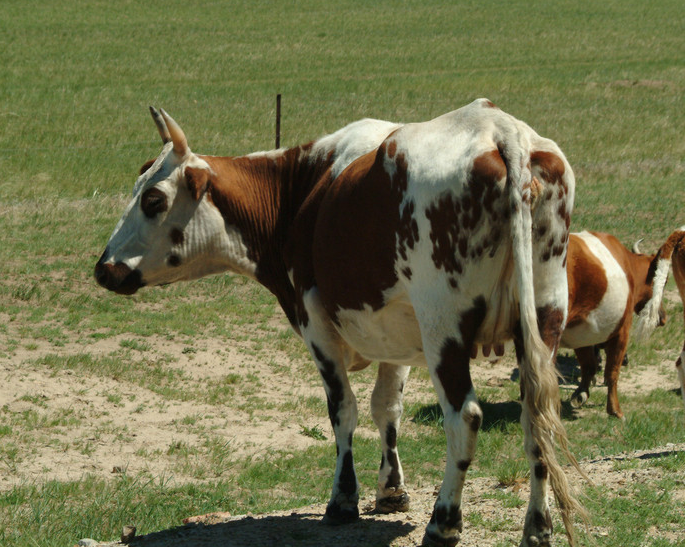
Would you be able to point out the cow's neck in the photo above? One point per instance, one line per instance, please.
(644, 270)
(260, 195)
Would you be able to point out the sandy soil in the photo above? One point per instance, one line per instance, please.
(302, 527)
(115, 434)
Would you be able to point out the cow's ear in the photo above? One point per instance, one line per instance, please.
(198, 181)
(146, 166)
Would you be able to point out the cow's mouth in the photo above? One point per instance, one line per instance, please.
(118, 278)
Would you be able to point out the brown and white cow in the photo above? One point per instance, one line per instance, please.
(607, 284)
(402, 244)
(678, 262)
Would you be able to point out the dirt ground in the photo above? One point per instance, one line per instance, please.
(114, 434)
(302, 527)
(120, 434)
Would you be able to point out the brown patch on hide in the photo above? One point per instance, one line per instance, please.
(358, 222)
(550, 165)
(176, 236)
(550, 324)
(454, 218)
(453, 370)
(198, 181)
(587, 281)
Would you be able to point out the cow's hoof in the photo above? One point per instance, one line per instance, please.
(616, 414)
(393, 504)
(431, 539)
(578, 398)
(337, 515)
(537, 531)
(541, 540)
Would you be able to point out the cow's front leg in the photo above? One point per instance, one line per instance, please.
(386, 409)
(342, 410)
(680, 367)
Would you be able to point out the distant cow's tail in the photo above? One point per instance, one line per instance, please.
(648, 318)
(539, 380)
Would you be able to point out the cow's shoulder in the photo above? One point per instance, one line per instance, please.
(355, 232)
(351, 142)
(332, 217)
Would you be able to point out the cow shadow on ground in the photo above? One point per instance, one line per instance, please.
(301, 529)
(498, 415)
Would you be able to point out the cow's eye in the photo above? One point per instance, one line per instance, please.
(153, 202)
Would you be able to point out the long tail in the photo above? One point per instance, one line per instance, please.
(648, 318)
(539, 381)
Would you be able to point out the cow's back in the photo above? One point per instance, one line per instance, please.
(428, 214)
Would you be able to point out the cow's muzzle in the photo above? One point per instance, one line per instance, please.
(118, 277)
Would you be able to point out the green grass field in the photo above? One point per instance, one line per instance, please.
(604, 80)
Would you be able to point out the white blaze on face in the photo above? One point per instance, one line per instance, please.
(133, 234)
(178, 237)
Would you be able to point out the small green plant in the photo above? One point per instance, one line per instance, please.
(135, 345)
(313, 432)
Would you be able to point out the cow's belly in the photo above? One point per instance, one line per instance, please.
(602, 322)
(390, 334)
(588, 333)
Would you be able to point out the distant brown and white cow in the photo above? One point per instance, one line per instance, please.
(678, 261)
(402, 244)
(607, 284)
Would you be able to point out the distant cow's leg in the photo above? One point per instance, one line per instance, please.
(680, 367)
(449, 368)
(342, 410)
(615, 350)
(587, 359)
(386, 409)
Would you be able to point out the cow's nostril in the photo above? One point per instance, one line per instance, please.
(101, 275)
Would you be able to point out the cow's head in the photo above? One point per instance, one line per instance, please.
(169, 231)
(654, 266)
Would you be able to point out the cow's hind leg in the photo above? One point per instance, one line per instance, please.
(587, 359)
(342, 410)
(449, 367)
(615, 350)
(537, 530)
(386, 409)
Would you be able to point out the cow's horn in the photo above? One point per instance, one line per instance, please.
(636, 245)
(161, 125)
(177, 135)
